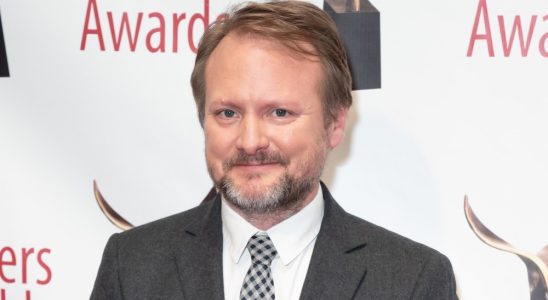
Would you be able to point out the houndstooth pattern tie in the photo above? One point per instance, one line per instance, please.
(258, 283)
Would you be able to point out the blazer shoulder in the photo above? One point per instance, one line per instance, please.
(393, 244)
(161, 232)
(415, 268)
(381, 243)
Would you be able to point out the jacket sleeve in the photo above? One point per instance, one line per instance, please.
(107, 283)
(436, 280)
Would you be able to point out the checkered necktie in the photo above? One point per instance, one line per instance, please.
(258, 283)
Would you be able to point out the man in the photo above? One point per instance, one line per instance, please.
(272, 88)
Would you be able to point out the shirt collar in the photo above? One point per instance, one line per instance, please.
(290, 237)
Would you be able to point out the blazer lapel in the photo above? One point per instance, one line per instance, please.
(198, 255)
(338, 264)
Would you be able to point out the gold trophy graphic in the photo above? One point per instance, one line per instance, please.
(537, 265)
(119, 221)
(108, 211)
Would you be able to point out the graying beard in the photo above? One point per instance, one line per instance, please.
(285, 195)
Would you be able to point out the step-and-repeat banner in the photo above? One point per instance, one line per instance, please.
(98, 90)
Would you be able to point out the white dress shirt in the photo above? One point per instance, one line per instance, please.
(294, 239)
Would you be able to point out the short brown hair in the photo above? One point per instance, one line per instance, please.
(291, 23)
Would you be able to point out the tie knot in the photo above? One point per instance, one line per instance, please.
(261, 249)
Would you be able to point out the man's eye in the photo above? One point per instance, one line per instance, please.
(279, 112)
(228, 113)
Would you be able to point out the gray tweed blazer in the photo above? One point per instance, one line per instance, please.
(180, 257)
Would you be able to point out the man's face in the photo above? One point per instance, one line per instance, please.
(265, 139)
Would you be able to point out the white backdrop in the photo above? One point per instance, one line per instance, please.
(443, 125)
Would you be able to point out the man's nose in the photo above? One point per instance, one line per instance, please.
(252, 137)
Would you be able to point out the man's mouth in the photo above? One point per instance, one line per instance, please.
(258, 162)
(259, 166)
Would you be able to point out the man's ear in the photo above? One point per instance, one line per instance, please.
(337, 128)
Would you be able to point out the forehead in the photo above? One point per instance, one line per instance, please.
(242, 60)
(237, 41)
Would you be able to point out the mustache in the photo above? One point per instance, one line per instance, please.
(261, 157)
